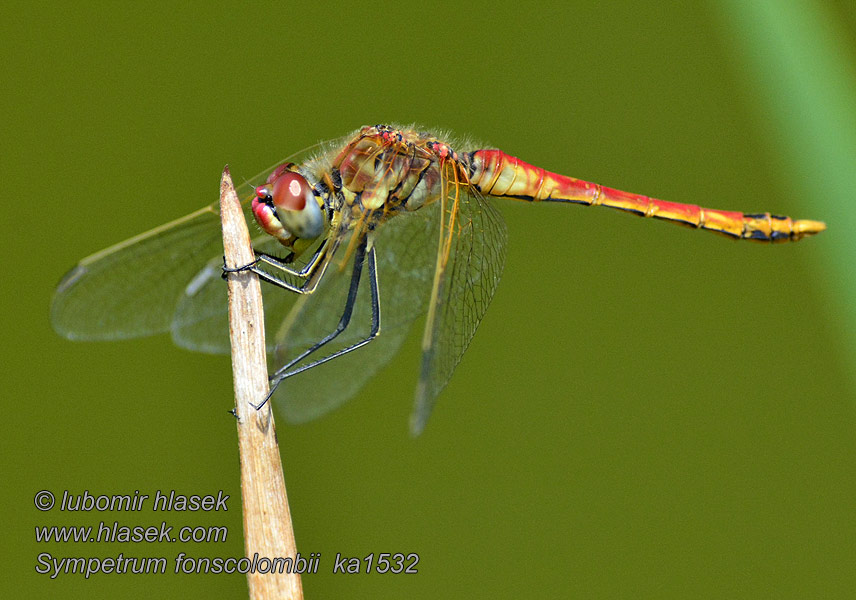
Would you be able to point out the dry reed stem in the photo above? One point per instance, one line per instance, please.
(268, 531)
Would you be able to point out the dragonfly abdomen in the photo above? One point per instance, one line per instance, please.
(497, 174)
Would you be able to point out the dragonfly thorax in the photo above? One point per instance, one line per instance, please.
(386, 170)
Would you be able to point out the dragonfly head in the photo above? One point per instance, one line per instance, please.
(286, 207)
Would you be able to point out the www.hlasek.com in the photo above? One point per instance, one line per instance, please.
(53, 566)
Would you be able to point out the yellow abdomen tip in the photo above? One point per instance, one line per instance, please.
(805, 228)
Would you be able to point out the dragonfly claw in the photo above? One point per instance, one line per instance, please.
(267, 397)
(227, 269)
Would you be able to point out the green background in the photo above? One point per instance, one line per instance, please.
(646, 411)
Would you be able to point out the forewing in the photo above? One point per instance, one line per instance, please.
(471, 258)
(131, 289)
(160, 280)
(404, 247)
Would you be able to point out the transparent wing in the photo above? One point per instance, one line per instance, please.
(131, 289)
(201, 319)
(471, 257)
(167, 279)
(405, 264)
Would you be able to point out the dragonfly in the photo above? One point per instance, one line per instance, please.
(358, 239)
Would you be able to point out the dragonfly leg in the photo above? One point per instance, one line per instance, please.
(247, 267)
(282, 264)
(264, 276)
(284, 372)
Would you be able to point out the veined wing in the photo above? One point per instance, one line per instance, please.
(470, 258)
(201, 319)
(166, 279)
(132, 289)
(405, 264)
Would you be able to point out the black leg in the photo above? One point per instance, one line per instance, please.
(372, 334)
(283, 372)
(283, 265)
(359, 258)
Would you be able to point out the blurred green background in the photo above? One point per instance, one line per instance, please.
(646, 411)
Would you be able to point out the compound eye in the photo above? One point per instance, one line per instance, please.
(291, 192)
(295, 205)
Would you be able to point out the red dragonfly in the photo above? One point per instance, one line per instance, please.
(367, 234)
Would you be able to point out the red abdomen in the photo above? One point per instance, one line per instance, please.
(497, 174)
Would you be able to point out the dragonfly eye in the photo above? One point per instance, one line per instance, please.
(291, 192)
(296, 206)
(286, 208)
